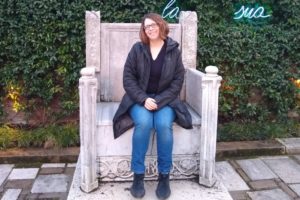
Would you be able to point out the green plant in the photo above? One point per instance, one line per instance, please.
(234, 131)
(8, 137)
(61, 136)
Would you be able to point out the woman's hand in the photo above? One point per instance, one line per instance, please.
(150, 104)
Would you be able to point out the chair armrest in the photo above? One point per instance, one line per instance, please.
(202, 94)
(193, 89)
(202, 89)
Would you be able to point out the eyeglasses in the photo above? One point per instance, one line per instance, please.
(150, 26)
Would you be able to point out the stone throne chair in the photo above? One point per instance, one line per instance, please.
(104, 159)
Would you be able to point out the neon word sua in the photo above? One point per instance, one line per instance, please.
(250, 13)
(170, 12)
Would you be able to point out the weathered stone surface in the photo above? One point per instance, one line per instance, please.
(247, 148)
(263, 184)
(297, 157)
(23, 173)
(239, 195)
(4, 172)
(295, 188)
(230, 177)
(71, 165)
(181, 190)
(51, 183)
(19, 184)
(256, 169)
(292, 145)
(88, 94)
(286, 168)
(51, 171)
(286, 189)
(54, 196)
(53, 165)
(188, 21)
(274, 194)
(118, 168)
(11, 194)
(92, 48)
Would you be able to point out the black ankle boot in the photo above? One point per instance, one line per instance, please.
(137, 189)
(163, 190)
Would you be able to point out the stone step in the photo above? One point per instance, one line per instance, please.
(181, 190)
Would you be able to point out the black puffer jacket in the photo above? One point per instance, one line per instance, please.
(135, 81)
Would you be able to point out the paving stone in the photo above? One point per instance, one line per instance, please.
(31, 196)
(4, 172)
(295, 188)
(53, 165)
(26, 191)
(52, 196)
(292, 145)
(72, 165)
(24, 184)
(51, 183)
(243, 175)
(230, 177)
(275, 194)
(297, 157)
(11, 194)
(285, 188)
(70, 171)
(256, 169)
(24, 173)
(23, 196)
(57, 170)
(181, 190)
(286, 168)
(239, 195)
(263, 184)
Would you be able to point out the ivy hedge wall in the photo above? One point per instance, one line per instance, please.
(42, 49)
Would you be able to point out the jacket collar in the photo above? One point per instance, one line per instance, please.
(171, 44)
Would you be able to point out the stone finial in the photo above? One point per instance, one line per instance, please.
(188, 21)
(88, 71)
(211, 71)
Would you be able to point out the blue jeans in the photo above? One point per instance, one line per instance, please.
(144, 121)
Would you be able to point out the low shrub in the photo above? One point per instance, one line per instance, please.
(58, 135)
(234, 131)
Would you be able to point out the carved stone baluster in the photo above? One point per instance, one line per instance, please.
(209, 119)
(87, 95)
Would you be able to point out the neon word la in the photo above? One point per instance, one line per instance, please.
(250, 13)
(169, 12)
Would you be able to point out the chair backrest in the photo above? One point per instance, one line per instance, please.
(107, 47)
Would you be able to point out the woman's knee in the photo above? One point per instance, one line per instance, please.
(141, 117)
(164, 118)
(163, 124)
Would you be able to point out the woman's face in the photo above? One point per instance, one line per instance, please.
(151, 29)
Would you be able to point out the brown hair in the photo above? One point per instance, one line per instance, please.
(162, 24)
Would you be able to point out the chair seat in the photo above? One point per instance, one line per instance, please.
(107, 110)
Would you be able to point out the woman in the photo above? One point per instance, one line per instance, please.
(152, 78)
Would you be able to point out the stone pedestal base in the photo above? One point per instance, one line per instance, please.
(181, 190)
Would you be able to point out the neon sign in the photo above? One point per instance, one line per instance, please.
(170, 12)
(250, 13)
